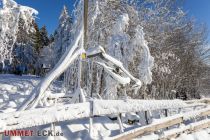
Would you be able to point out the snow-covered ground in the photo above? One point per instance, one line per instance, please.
(199, 135)
(14, 89)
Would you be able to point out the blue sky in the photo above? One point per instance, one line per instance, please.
(49, 10)
(200, 10)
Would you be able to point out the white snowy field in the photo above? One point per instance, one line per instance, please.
(14, 89)
(200, 135)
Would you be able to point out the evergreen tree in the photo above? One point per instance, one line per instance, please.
(18, 50)
(36, 43)
(22, 35)
(62, 35)
(44, 36)
(37, 40)
(51, 38)
(21, 52)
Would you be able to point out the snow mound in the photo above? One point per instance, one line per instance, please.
(15, 89)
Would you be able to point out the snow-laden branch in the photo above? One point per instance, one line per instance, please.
(70, 55)
(115, 63)
(120, 65)
(117, 77)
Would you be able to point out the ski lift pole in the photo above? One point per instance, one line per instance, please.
(85, 23)
(84, 41)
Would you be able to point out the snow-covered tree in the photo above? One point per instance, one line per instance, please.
(62, 35)
(36, 38)
(10, 14)
(114, 26)
(23, 53)
(174, 40)
(61, 40)
(117, 26)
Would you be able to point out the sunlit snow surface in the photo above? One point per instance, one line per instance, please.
(200, 135)
(14, 89)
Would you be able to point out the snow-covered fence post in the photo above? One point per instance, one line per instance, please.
(91, 118)
(194, 119)
(120, 123)
(85, 25)
(179, 110)
(85, 42)
(52, 126)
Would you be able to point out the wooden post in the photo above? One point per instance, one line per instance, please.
(146, 117)
(166, 115)
(85, 23)
(53, 129)
(194, 119)
(91, 119)
(166, 112)
(179, 111)
(85, 40)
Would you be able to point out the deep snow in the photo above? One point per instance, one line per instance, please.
(14, 89)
